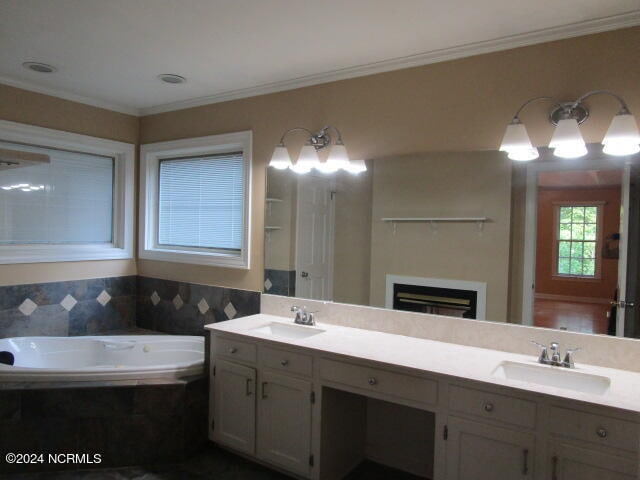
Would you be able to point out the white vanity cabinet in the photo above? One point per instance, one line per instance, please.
(264, 405)
(284, 422)
(481, 451)
(262, 402)
(568, 462)
(234, 406)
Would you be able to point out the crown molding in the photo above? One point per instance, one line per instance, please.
(54, 92)
(588, 27)
(467, 50)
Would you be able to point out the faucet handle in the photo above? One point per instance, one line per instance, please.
(544, 356)
(568, 357)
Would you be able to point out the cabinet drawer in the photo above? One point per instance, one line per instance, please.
(599, 429)
(286, 361)
(373, 379)
(492, 406)
(235, 349)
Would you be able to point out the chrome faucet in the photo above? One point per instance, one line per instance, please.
(554, 360)
(302, 316)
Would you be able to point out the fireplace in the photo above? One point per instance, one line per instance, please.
(456, 298)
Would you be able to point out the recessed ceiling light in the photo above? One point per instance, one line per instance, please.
(171, 78)
(39, 67)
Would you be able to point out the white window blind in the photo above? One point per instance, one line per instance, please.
(66, 201)
(201, 202)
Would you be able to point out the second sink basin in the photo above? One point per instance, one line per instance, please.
(290, 331)
(557, 377)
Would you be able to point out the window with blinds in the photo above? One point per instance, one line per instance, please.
(201, 202)
(66, 201)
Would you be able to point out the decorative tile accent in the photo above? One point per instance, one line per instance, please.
(155, 298)
(103, 298)
(177, 302)
(267, 285)
(27, 307)
(203, 306)
(230, 311)
(68, 302)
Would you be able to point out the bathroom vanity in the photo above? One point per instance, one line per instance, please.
(294, 397)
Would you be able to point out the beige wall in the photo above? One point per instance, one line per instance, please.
(468, 184)
(32, 108)
(458, 105)
(352, 246)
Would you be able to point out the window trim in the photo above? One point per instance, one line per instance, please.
(150, 156)
(123, 196)
(599, 236)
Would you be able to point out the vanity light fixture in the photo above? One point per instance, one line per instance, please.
(622, 137)
(338, 159)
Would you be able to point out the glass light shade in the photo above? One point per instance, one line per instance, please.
(567, 140)
(517, 144)
(307, 160)
(336, 160)
(623, 137)
(280, 158)
(356, 166)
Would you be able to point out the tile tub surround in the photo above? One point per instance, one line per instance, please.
(126, 425)
(181, 308)
(80, 307)
(280, 282)
(597, 350)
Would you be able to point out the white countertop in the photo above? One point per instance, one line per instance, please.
(441, 358)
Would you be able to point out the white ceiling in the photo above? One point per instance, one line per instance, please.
(109, 52)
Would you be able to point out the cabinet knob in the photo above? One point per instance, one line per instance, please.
(488, 407)
(284, 363)
(372, 381)
(233, 350)
(602, 432)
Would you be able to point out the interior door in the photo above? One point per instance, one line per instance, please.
(314, 244)
(629, 326)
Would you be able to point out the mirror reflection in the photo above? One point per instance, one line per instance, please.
(463, 234)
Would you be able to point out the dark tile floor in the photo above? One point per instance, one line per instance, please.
(212, 464)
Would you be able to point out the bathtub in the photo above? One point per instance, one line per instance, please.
(95, 358)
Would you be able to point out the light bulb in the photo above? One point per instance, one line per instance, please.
(567, 140)
(356, 166)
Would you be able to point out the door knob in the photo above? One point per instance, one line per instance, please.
(304, 274)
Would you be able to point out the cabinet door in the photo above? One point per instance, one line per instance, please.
(568, 462)
(478, 451)
(284, 422)
(234, 406)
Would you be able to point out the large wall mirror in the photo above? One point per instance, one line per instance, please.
(550, 243)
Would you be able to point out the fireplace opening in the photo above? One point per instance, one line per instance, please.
(435, 300)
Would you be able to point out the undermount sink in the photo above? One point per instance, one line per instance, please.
(557, 377)
(284, 330)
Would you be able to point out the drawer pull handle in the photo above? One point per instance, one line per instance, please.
(233, 350)
(488, 407)
(372, 381)
(248, 387)
(525, 461)
(554, 468)
(602, 432)
(284, 363)
(264, 390)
